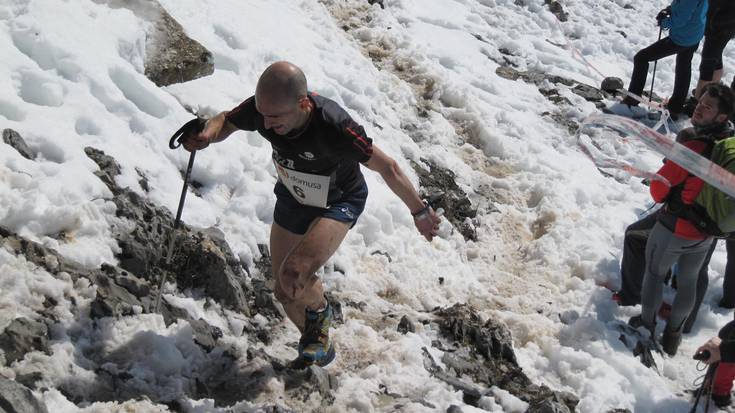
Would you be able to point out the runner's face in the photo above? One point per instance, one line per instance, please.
(706, 112)
(281, 117)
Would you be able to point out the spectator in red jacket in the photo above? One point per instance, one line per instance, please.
(674, 239)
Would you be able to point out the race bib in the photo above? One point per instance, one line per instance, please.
(308, 189)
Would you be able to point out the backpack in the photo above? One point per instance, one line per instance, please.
(717, 206)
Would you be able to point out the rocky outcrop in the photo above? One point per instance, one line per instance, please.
(557, 10)
(172, 56)
(22, 336)
(16, 398)
(202, 262)
(438, 185)
(202, 259)
(484, 352)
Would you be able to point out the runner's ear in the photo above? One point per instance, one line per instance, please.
(721, 118)
(304, 103)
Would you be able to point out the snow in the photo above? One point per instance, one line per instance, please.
(549, 225)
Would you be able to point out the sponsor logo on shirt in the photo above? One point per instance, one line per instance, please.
(283, 161)
(307, 156)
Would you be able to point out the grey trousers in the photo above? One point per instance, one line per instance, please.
(662, 251)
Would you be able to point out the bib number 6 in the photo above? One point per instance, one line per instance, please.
(298, 191)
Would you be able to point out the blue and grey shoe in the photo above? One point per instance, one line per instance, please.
(315, 346)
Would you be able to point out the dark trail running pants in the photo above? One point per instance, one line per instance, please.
(683, 76)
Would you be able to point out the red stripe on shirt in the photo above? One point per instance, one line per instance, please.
(362, 140)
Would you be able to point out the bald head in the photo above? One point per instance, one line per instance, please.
(281, 82)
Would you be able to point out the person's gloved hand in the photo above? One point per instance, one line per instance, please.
(663, 14)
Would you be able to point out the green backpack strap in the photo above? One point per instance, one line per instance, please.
(719, 206)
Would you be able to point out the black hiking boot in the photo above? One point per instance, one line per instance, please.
(671, 340)
(315, 346)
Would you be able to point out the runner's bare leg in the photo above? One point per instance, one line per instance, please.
(298, 257)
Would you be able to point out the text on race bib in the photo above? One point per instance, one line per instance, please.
(308, 189)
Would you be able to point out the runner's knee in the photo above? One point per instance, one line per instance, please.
(281, 295)
(297, 265)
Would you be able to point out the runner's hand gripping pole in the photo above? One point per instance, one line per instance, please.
(190, 127)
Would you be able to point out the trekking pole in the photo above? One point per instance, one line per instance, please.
(194, 125)
(653, 77)
(706, 387)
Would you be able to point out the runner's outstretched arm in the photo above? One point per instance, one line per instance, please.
(425, 219)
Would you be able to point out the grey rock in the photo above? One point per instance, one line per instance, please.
(571, 125)
(205, 334)
(21, 336)
(535, 77)
(485, 354)
(589, 93)
(265, 302)
(558, 11)
(569, 317)
(208, 263)
(173, 57)
(263, 264)
(136, 286)
(439, 187)
(109, 168)
(200, 259)
(38, 254)
(229, 382)
(112, 300)
(454, 409)
(548, 405)
(405, 325)
(14, 139)
(471, 393)
(16, 398)
(611, 84)
(507, 72)
(29, 379)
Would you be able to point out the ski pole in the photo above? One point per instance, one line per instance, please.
(194, 125)
(653, 77)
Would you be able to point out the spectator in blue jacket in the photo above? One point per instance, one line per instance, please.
(685, 21)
